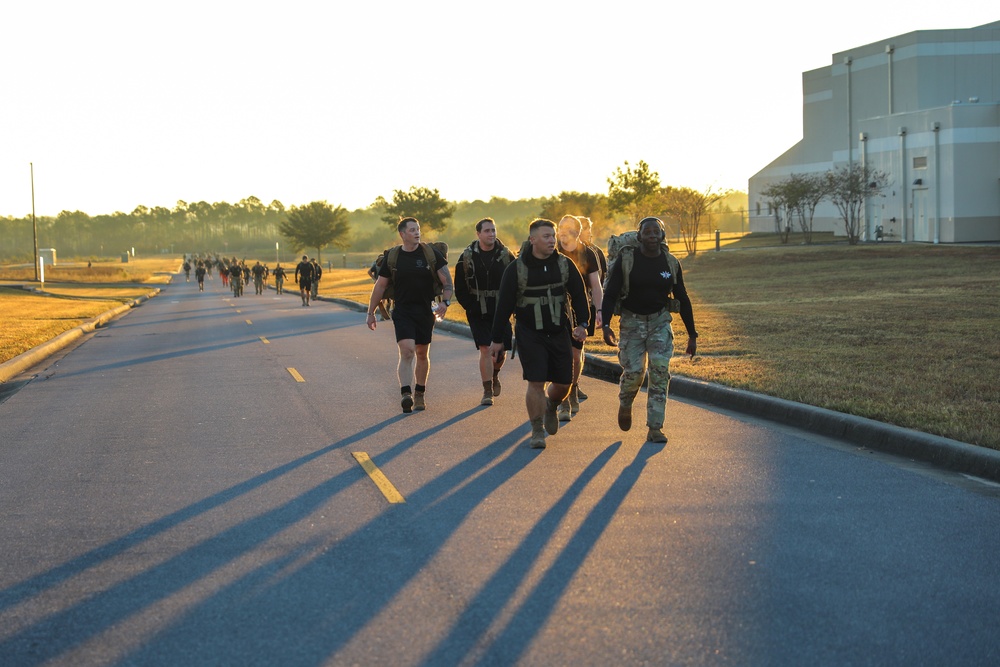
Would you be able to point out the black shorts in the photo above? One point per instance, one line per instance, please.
(413, 321)
(304, 284)
(482, 333)
(545, 357)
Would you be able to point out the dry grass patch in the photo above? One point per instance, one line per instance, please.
(27, 319)
(902, 334)
(905, 334)
(155, 270)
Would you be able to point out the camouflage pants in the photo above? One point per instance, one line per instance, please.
(642, 339)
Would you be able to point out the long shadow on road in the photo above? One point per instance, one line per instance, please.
(72, 626)
(307, 616)
(69, 628)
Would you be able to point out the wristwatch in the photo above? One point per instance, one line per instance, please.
(446, 302)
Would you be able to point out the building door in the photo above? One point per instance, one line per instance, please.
(921, 226)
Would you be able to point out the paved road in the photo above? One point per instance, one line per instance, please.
(173, 494)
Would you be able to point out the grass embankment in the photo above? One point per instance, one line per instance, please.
(905, 334)
(70, 296)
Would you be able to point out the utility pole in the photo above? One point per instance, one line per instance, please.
(34, 225)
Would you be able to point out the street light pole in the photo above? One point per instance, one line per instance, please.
(34, 225)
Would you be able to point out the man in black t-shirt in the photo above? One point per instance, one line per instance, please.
(411, 268)
(199, 274)
(258, 278)
(304, 276)
(478, 272)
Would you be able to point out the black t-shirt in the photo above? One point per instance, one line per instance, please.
(585, 259)
(649, 285)
(414, 282)
(304, 272)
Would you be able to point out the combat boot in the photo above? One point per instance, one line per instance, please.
(563, 412)
(418, 400)
(574, 400)
(537, 434)
(625, 416)
(550, 420)
(655, 435)
(487, 393)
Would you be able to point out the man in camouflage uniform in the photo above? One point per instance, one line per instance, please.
(646, 333)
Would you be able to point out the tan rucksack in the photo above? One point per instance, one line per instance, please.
(392, 256)
(622, 248)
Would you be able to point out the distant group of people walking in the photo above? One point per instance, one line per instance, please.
(236, 274)
(559, 289)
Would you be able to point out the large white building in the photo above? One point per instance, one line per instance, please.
(923, 107)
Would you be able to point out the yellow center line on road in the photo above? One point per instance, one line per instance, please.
(381, 481)
(249, 322)
(264, 340)
(295, 374)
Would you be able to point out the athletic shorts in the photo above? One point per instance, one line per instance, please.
(305, 284)
(545, 357)
(482, 333)
(413, 322)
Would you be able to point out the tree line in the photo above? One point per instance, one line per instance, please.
(251, 227)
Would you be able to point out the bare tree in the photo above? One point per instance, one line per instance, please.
(797, 197)
(849, 188)
(780, 201)
(812, 188)
(690, 207)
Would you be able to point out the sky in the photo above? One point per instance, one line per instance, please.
(120, 104)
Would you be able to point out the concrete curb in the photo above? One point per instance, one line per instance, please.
(22, 362)
(941, 452)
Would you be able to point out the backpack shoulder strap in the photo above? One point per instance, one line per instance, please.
(627, 260)
(429, 256)
(675, 266)
(391, 257)
(466, 260)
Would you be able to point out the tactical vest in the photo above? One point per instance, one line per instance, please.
(503, 256)
(557, 303)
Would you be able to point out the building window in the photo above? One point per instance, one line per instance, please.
(920, 162)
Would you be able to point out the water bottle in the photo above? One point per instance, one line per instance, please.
(434, 307)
